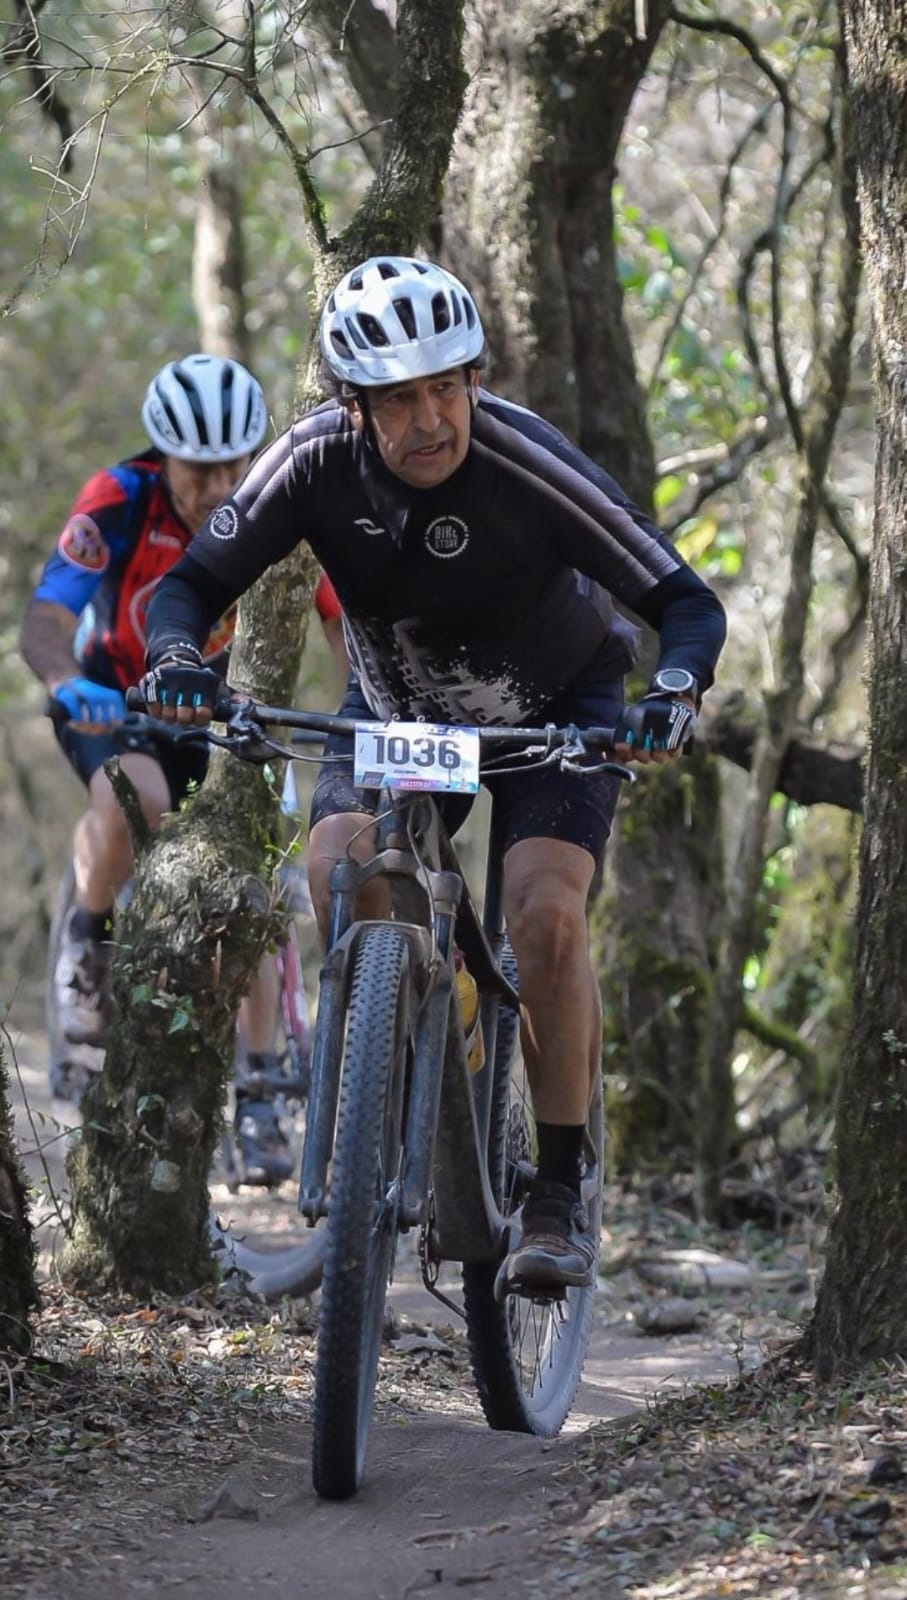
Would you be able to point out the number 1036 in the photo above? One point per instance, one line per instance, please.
(396, 750)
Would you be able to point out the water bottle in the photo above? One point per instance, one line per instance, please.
(468, 999)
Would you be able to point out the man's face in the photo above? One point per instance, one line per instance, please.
(422, 427)
(196, 488)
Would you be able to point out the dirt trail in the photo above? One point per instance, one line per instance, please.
(447, 1504)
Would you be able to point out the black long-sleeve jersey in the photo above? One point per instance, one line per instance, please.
(476, 601)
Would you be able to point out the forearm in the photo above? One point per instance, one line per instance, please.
(46, 641)
(691, 624)
(183, 609)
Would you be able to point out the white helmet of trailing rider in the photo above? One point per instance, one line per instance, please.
(395, 318)
(205, 409)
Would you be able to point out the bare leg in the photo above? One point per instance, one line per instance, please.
(102, 849)
(545, 886)
(333, 838)
(258, 1010)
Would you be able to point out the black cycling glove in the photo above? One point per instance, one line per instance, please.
(180, 679)
(656, 722)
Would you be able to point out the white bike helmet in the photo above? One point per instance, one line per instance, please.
(394, 318)
(205, 408)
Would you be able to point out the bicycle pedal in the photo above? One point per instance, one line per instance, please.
(505, 1286)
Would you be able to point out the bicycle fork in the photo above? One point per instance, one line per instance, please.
(432, 993)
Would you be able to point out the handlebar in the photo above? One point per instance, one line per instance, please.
(245, 721)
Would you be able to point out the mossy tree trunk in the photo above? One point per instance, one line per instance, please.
(18, 1285)
(860, 1311)
(201, 915)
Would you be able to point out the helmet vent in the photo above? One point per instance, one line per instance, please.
(198, 414)
(372, 329)
(387, 269)
(440, 310)
(404, 310)
(355, 334)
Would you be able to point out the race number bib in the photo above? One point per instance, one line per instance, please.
(416, 755)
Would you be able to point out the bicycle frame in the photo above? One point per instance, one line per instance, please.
(447, 1112)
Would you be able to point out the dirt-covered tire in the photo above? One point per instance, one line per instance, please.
(527, 1356)
(361, 1226)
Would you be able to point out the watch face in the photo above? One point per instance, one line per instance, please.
(676, 680)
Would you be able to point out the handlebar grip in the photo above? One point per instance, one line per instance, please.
(224, 706)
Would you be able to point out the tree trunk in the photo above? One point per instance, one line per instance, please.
(860, 1311)
(18, 1285)
(218, 278)
(529, 223)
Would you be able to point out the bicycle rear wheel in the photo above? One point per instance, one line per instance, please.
(527, 1355)
(362, 1209)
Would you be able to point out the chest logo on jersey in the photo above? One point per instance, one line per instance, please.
(446, 537)
(81, 545)
(368, 526)
(224, 523)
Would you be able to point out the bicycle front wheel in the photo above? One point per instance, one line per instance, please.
(527, 1355)
(362, 1208)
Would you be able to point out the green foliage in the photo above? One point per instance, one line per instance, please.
(95, 269)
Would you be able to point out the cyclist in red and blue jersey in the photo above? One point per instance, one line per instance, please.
(478, 555)
(84, 637)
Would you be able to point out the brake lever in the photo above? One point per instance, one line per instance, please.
(616, 769)
(245, 738)
(571, 759)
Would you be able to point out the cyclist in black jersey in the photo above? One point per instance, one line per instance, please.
(477, 555)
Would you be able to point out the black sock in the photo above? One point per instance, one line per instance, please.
(95, 925)
(561, 1153)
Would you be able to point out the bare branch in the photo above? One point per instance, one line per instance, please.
(365, 39)
(23, 44)
(727, 463)
(811, 771)
(724, 193)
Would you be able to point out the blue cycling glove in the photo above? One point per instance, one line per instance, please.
(83, 700)
(656, 722)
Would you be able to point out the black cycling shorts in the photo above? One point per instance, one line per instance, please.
(536, 803)
(87, 749)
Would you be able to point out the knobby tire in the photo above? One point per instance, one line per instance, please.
(361, 1228)
(527, 1357)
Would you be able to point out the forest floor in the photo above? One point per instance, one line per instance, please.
(163, 1449)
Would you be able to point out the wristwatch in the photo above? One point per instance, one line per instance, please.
(674, 680)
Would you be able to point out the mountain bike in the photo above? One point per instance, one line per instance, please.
(400, 1134)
